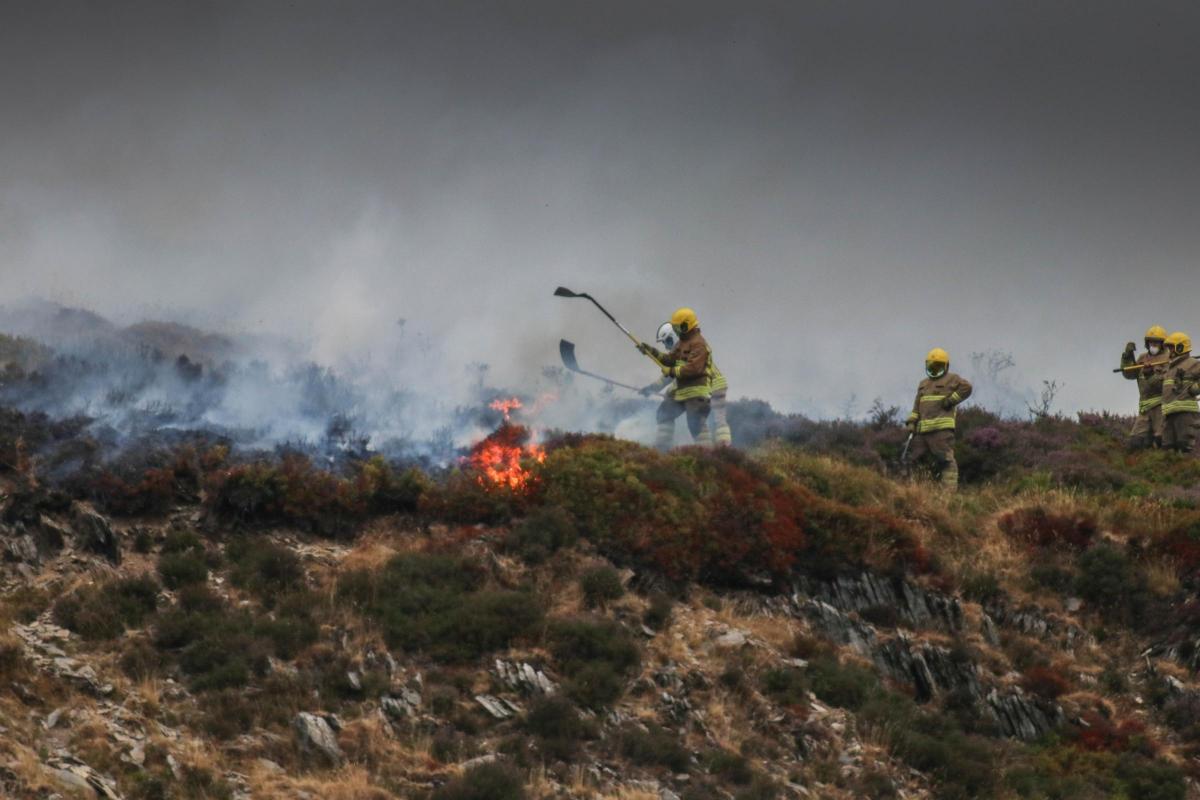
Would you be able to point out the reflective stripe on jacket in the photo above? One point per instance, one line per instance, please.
(936, 404)
(716, 380)
(1181, 386)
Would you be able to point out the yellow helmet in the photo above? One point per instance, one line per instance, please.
(937, 356)
(684, 320)
(1178, 343)
(1156, 332)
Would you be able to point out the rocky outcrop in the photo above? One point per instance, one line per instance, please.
(914, 605)
(76, 776)
(94, 534)
(316, 735)
(1023, 717)
(931, 670)
(1033, 621)
(523, 678)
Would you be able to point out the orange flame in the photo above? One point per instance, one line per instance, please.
(506, 406)
(501, 458)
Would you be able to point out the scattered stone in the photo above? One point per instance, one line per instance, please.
(402, 705)
(315, 734)
(524, 678)
(75, 775)
(731, 640)
(52, 718)
(498, 707)
(479, 761)
(1074, 604)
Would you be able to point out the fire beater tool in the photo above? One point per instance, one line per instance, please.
(565, 292)
(567, 351)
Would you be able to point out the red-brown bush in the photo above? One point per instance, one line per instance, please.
(1039, 527)
(1045, 682)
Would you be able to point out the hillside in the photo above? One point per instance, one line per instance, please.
(594, 619)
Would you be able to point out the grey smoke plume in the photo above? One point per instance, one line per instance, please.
(835, 187)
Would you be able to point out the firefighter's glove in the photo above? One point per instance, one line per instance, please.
(1130, 348)
(947, 403)
(669, 371)
(911, 425)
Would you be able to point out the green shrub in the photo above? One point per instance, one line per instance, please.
(654, 747)
(982, 587)
(597, 656)
(140, 660)
(438, 605)
(183, 541)
(558, 727)
(846, 685)
(486, 782)
(106, 611)
(263, 568)
(541, 534)
(601, 585)
(730, 767)
(182, 568)
(787, 686)
(1108, 579)
(1052, 577)
(218, 648)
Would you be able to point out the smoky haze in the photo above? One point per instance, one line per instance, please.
(834, 187)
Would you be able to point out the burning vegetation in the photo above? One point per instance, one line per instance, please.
(745, 613)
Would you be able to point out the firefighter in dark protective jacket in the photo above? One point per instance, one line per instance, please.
(1148, 370)
(933, 415)
(689, 364)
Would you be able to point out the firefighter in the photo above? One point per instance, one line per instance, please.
(1181, 387)
(933, 415)
(721, 432)
(688, 364)
(1147, 369)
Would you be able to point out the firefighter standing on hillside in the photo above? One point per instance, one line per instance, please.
(1147, 370)
(689, 365)
(721, 432)
(1181, 387)
(933, 415)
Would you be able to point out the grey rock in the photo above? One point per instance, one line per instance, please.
(75, 775)
(94, 534)
(316, 736)
(498, 707)
(930, 669)
(988, 630)
(22, 550)
(404, 704)
(1021, 716)
(524, 678)
(731, 640)
(914, 605)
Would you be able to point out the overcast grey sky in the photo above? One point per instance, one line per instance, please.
(836, 187)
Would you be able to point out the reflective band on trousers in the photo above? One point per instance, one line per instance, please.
(1177, 406)
(1149, 403)
(935, 424)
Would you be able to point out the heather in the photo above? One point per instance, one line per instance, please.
(723, 622)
